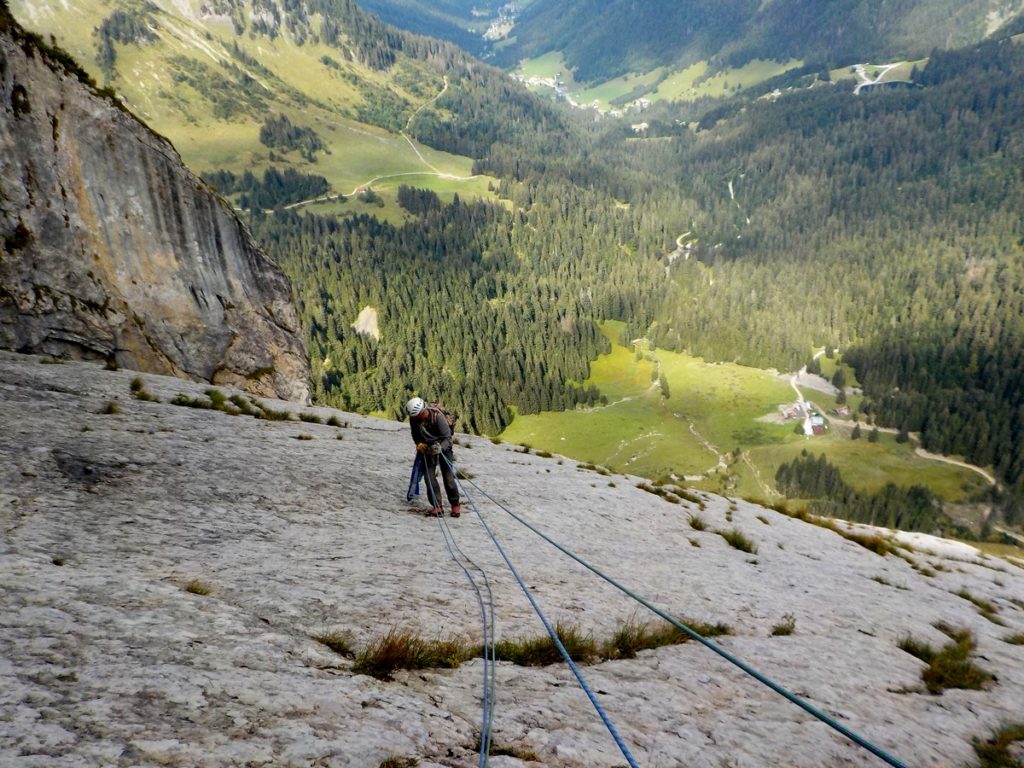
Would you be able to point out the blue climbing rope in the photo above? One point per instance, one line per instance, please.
(550, 630)
(806, 706)
(488, 634)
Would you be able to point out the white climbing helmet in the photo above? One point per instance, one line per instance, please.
(415, 406)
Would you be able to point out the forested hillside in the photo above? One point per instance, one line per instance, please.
(887, 224)
(601, 40)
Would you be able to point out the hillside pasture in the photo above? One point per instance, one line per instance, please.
(181, 85)
(729, 407)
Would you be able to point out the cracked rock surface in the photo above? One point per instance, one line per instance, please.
(106, 659)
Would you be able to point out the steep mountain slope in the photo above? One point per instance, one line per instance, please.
(163, 573)
(210, 77)
(112, 249)
(601, 40)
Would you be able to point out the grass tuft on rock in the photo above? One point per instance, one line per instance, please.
(994, 752)
(985, 607)
(403, 649)
(111, 408)
(738, 540)
(242, 405)
(503, 750)
(197, 587)
(338, 641)
(191, 402)
(268, 413)
(951, 666)
(397, 761)
(139, 391)
(633, 637)
(785, 627)
(541, 651)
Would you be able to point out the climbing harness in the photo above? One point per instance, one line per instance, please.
(806, 706)
(547, 626)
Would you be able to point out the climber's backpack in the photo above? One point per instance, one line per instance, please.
(447, 416)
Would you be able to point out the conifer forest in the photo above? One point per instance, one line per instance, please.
(886, 224)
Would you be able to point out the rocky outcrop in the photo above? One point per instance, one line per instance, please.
(113, 249)
(166, 573)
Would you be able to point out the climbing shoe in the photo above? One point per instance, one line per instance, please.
(435, 512)
(456, 510)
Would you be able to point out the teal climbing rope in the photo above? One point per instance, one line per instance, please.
(550, 630)
(793, 698)
(490, 658)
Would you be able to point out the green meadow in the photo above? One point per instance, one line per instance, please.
(293, 81)
(607, 92)
(710, 408)
(690, 83)
(548, 65)
(693, 82)
(717, 412)
(901, 71)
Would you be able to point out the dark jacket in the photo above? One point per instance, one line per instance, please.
(433, 429)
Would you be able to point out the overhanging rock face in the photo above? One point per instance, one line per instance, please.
(113, 249)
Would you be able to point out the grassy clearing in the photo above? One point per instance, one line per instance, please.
(868, 467)
(640, 432)
(548, 65)
(693, 82)
(688, 84)
(730, 407)
(950, 666)
(605, 93)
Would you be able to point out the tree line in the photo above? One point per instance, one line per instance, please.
(912, 508)
(275, 188)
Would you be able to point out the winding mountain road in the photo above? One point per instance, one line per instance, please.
(435, 172)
